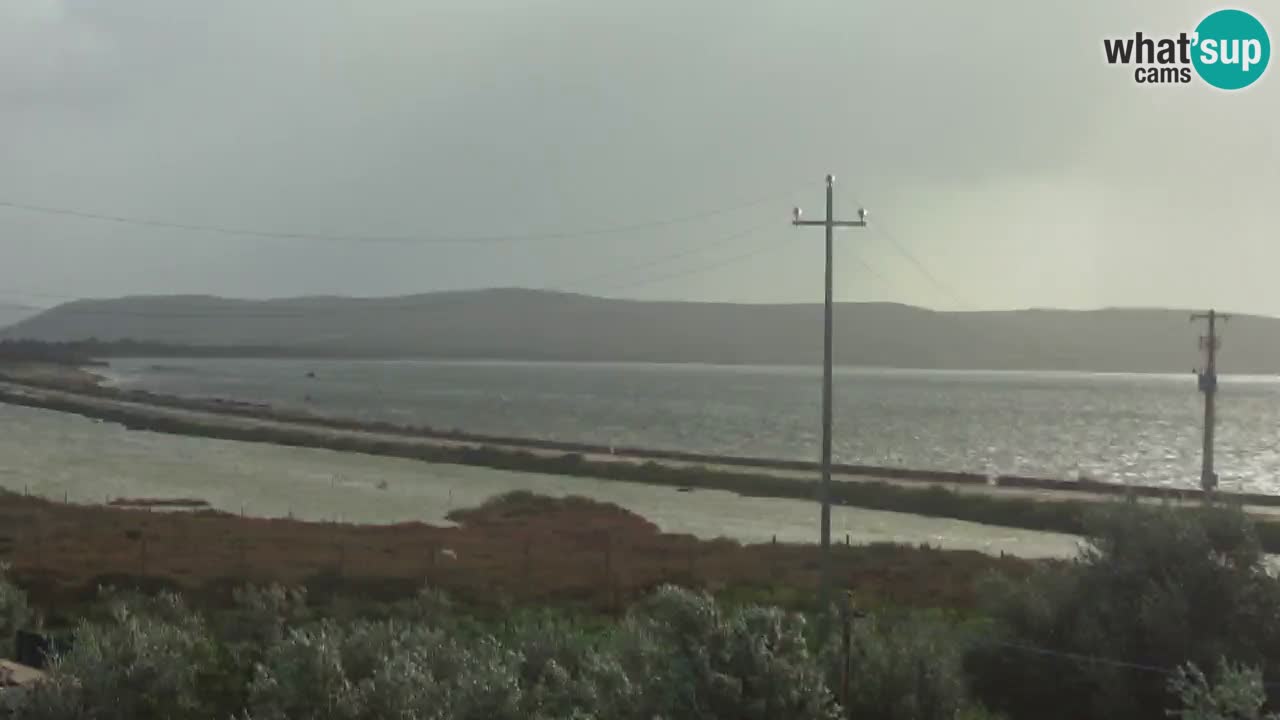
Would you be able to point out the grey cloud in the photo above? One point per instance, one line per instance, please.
(964, 125)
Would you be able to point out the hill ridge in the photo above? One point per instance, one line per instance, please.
(532, 324)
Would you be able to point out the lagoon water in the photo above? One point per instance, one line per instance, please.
(1124, 428)
(58, 455)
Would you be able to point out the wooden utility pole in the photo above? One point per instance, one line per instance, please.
(849, 612)
(824, 491)
(1209, 386)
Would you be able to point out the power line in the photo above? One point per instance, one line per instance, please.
(920, 266)
(902, 249)
(722, 263)
(871, 269)
(1078, 657)
(587, 279)
(403, 239)
(433, 301)
(963, 305)
(1085, 659)
(438, 301)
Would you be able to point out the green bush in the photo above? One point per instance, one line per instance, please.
(698, 662)
(14, 611)
(381, 670)
(262, 614)
(1238, 694)
(1154, 589)
(145, 662)
(563, 670)
(902, 669)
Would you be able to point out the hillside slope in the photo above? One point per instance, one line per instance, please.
(11, 313)
(539, 325)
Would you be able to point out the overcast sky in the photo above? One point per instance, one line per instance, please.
(990, 139)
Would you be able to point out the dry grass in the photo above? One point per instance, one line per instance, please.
(520, 548)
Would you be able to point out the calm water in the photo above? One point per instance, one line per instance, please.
(1123, 428)
(57, 455)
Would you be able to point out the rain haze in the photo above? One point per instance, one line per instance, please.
(465, 359)
(993, 141)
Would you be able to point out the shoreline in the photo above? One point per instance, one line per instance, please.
(1027, 508)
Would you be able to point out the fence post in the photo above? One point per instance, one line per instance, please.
(526, 562)
(846, 641)
(608, 556)
(39, 542)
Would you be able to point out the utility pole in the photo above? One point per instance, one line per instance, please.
(824, 489)
(1209, 386)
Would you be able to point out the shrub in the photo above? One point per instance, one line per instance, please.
(1238, 694)
(145, 662)
(303, 677)
(903, 669)
(14, 611)
(696, 662)
(262, 614)
(563, 670)
(385, 669)
(1154, 588)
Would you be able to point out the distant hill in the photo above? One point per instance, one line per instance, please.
(540, 325)
(11, 313)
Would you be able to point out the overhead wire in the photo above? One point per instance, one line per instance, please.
(415, 304)
(1084, 658)
(616, 228)
(718, 265)
(587, 280)
(427, 301)
(919, 265)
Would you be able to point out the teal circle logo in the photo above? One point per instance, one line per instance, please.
(1231, 49)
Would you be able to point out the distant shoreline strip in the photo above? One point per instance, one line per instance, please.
(145, 417)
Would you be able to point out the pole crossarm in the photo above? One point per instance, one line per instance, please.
(834, 223)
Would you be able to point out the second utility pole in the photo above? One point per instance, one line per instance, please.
(824, 491)
(1209, 386)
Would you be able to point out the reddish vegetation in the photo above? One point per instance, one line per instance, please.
(522, 547)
